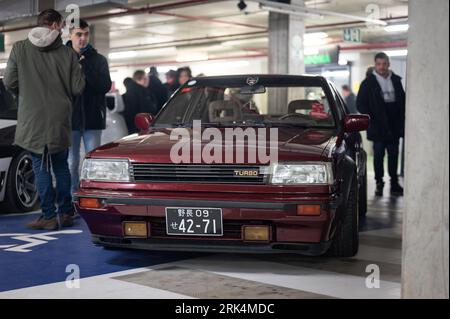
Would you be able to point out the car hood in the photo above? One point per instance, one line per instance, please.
(293, 144)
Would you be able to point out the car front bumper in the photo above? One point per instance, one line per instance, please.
(309, 235)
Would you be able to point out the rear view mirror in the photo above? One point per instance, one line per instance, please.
(143, 121)
(255, 89)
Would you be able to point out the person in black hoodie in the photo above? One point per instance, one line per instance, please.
(382, 96)
(89, 109)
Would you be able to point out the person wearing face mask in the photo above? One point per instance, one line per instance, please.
(89, 109)
(46, 76)
(382, 96)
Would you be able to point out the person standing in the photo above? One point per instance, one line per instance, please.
(350, 99)
(147, 101)
(89, 109)
(382, 96)
(157, 89)
(46, 76)
(171, 81)
(184, 75)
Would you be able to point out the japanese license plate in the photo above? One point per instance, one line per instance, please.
(194, 221)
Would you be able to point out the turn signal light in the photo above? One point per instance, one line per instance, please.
(90, 203)
(308, 210)
(135, 229)
(256, 233)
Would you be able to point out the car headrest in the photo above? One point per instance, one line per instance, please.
(224, 111)
(300, 105)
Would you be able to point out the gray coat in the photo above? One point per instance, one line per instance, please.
(45, 75)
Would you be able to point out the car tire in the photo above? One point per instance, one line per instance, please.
(362, 196)
(346, 239)
(21, 193)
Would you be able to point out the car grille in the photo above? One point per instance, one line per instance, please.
(236, 174)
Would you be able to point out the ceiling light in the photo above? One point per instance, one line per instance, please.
(122, 55)
(316, 35)
(336, 74)
(397, 53)
(3, 65)
(166, 68)
(397, 28)
(192, 57)
(311, 51)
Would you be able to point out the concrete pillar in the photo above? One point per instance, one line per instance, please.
(285, 51)
(100, 38)
(425, 271)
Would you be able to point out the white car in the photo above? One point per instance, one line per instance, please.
(18, 192)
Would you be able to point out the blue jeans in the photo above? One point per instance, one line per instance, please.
(91, 140)
(44, 183)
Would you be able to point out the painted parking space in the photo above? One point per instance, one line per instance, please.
(30, 258)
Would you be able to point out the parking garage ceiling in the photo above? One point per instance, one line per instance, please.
(161, 31)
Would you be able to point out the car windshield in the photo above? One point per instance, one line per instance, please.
(8, 105)
(305, 106)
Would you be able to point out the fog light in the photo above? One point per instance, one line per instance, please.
(90, 203)
(308, 210)
(135, 229)
(256, 233)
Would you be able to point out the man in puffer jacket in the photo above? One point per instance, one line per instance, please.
(46, 76)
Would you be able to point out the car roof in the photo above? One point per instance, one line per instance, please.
(262, 79)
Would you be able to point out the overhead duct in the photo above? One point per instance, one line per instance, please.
(13, 9)
(61, 5)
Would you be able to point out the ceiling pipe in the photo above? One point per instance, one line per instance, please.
(236, 36)
(376, 46)
(191, 18)
(296, 9)
(127, 11)
(371, 46)
(170, 62)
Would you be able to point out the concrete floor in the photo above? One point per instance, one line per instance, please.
(36, 264)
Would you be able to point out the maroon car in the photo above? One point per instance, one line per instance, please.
(260, 163)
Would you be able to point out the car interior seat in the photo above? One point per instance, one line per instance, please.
(224, 111)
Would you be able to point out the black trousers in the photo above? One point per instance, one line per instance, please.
(379, 149)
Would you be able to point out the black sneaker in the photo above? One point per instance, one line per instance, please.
(379, 190)
(396, 189)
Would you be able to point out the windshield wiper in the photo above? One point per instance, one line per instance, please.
(235, 124)
(284, 124)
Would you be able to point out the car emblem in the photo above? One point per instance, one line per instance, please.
(252, 81)
(246, 172)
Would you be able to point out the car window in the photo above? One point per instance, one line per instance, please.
(227, 105)
(8, 105)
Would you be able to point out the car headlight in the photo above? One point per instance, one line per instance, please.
(106, 170)
(302, 173)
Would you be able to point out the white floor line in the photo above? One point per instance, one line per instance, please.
(300, 278)
(20, 214)
(102, 286)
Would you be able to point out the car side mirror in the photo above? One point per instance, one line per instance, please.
(356, 123)
(143, 121)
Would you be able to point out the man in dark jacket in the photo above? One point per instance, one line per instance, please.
(171, 81)
(137, 99)
(46, 75)
(381, 95)
(157, 89)
(89, 109)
